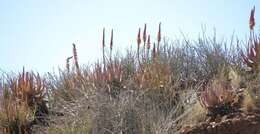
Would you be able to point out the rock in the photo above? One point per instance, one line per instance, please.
(238, 124)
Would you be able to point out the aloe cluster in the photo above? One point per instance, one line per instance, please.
(219, 98)
(23, 102)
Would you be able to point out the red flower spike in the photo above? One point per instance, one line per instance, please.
(252, 19)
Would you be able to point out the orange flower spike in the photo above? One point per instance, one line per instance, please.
(139, 38)
(103, 48)
(148, 43)
(30, 81)
(103, 39)
(23, 73)
(21, 79)
(27, 80)
(252, 19)
(68, 63)
(75, 56)
(38, 81)
(138, 42)
(154, 50)
(111, 40)
(144, 34)
(159, 33)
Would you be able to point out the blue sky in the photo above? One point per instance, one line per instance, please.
(38, 34)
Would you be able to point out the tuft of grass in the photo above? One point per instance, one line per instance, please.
(248, 102)
(197, 115)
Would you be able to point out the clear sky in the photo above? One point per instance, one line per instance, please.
(38, 34)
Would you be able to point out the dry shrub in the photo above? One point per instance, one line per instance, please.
(154, 75)
(134, 111)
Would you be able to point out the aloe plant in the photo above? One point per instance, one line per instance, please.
(219, 98)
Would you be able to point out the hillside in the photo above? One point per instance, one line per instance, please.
(203, 86)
